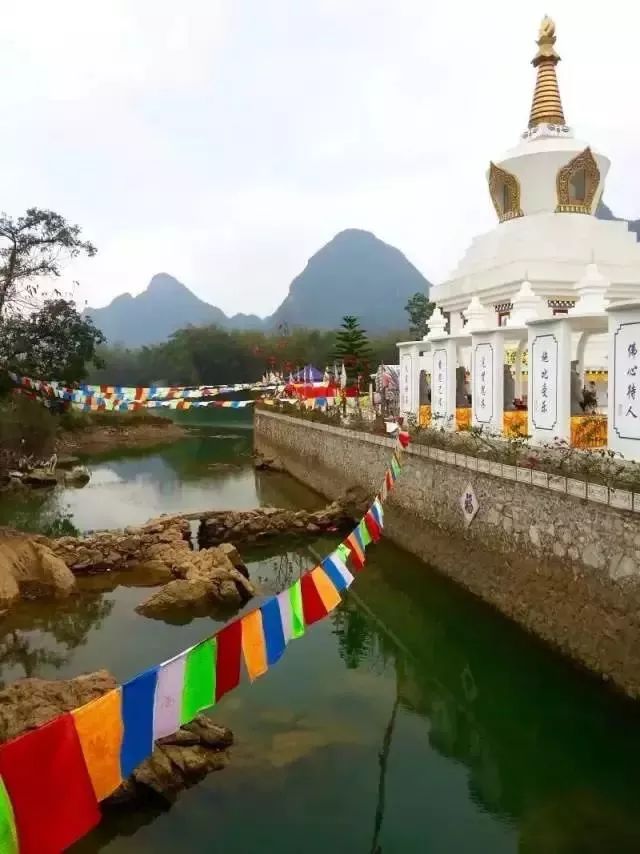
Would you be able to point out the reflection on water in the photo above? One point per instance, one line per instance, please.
(210, 470)
(412, 720)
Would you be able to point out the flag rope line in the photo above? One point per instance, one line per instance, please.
(52, 778)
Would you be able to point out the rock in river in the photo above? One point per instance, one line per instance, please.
(177, 762)
(213, 580)
(29, 568)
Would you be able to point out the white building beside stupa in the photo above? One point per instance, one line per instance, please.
(548, 255)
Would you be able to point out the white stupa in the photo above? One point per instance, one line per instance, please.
(545, 192)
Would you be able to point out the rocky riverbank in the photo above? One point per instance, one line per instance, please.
(257, 525)
(177, 762)
(98, 438)
(209, 580)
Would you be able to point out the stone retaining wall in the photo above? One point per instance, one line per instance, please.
(565, 567)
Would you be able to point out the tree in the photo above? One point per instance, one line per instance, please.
(419, 310)
(33, 247)
(352, 348)
(54, 342)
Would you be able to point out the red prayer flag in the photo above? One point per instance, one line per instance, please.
(403, 438)
(312, 605)
(372, 526)
(47, 780)
(229, 642)
(389, 480)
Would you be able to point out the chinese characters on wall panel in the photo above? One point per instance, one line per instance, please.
(405, 382)
(483, 378)
(626, 379)
(544, 379)
(439, 380)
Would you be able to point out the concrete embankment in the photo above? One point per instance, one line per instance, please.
(565, 568)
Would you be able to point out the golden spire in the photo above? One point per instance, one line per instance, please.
(546, 106)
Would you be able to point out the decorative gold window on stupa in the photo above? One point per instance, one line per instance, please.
(577, 184)
(505, 193)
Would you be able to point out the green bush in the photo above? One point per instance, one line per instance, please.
(26, 427)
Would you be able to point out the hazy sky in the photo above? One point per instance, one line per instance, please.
(225, 141)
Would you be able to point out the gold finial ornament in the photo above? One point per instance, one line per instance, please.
(546, 107)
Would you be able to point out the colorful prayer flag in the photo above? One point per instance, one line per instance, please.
(228, 659)
(312, 604)
(395, 465)
(199, 690)
(273, 630)
(47, 781)
(168, 703)
(337, 571)
(253, 645)
(286, 617)
(138, 699)
(344, 551)
(297, 612)
(326, 588)
(8, 832)
(364, 534)
(404, 438)
(372, 525)
(378, 512)
(357, 552)
(99, 727)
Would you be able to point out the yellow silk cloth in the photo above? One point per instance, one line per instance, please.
(326, 588)
(515, 423)
(424, 415)
(589, 431)
(253, 645)
(463, 418)
(100, 730)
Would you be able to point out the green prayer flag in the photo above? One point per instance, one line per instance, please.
(297, 616)
(8, 834)
(395, 465)
(365, 536)
(199, 689)
(344, 551)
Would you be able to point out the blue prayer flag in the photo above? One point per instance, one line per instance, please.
(273, 631)
(138, 699)
(334, 574)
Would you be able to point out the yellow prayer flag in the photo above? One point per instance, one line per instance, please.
(253, 645)
(99, 728)
(326, 588)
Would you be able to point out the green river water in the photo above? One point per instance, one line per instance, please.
(414, 719)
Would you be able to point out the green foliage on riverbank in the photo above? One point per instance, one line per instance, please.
(28, 429)
(25, 427)
(198, 356)
(73, 420)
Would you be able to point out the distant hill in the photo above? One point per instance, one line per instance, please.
(355, 273)
(152, 316)
(604, 212)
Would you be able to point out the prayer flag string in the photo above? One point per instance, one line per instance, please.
(52, 778)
